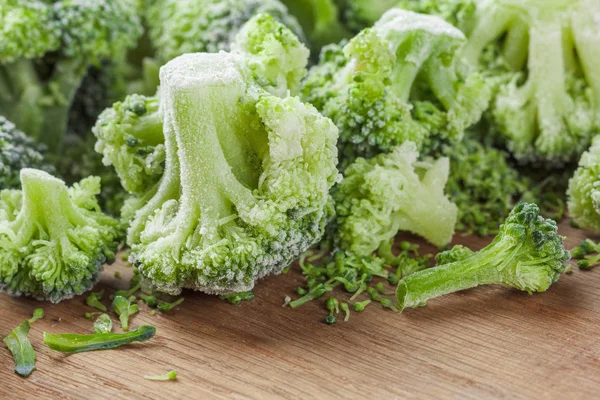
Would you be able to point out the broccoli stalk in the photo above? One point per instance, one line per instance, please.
(246, 182)
(527, 254)
(73, 343)
(19, 345)
(54, 240)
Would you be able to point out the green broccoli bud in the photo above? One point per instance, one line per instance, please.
(54, 239)
(361, 305)
(73, 343)
(103, 324)
(237, 298)
(124, 309)
(246, 182)
(346, 310)
(169, 376)
(151, 301)
(390, 193)
(527, 254)
(163, 306)
(19, 345)
(95, 300)
(398, 81)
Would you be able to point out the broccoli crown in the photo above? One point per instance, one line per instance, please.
(46, 50)
(130, 137)
(18, 151)
(53, 239)
(390, 193)
(177, 27)
(523, 45)
(246, 182)
(584, 189)
(527, 254)
(394, 83)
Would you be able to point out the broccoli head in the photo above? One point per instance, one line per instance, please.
(584, 189)
(18, 151)
(47, 49)
(542, 56)
(246, 182)
(389, 193)
(53, 239)
(396, 82)
(177, 27)
(527, 254)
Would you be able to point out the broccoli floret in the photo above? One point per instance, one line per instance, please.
(246, 182)
(527, 254)
(584, 189)
(53, 239)
(47, 49)
(130, 134)
(542, 56)
(396, 82)
(390, 193)
(18, 151)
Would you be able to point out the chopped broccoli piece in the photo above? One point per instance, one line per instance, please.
(527, 254)
(95, 300)
(584, 189)
(134, 287)
(103, 324)
(230, 210)
(53, 239)
(584, 253)
(150, 300)
(390, 193)
(73, 343)
(237, 298)
(18, 151)
(124, 309)
(169, 376)
(19, 345)
(399, 81)
(46, 51)
(163, 306)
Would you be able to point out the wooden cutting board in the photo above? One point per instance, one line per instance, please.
(487, 342)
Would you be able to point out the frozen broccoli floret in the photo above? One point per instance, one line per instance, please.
(390, 193)
(397, 82)
(46, 50)
(53, 239)
(246, 182)
(584, 189)
(542, 56)
(527, 254)
(18, 151)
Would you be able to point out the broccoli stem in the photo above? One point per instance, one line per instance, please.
(73, 343)
(408, 67)
(491, 25)
(585, 34)
(514, 49)
(149, 129)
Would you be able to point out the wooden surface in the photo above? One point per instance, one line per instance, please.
(483, 343)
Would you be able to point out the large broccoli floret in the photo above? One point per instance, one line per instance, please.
(46, 50)
(18, 151)
(527, 254)
(53, 239)
(130, 134)
(246, 182)
(542, 55)
(394, 83)
(390, 193)
(584, 189)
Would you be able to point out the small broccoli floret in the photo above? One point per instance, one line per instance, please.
(124, 309)
(524, 45)
(390, 193)
(246, 182)
(527, 254)
(18, 151)
(178, 27)
(397, 82)
(584, 189)
(53, 240)
(46, 51)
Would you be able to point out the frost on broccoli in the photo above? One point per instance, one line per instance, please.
(130, 134)
(53, 239)
(584, 189)
(246, 182)
(523, 46)
(178, 27)
(18, 151)
(46, 51)
(390, 193)
(397, 82)
(527, 254)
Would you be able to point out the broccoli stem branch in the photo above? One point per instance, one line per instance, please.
(491, 25)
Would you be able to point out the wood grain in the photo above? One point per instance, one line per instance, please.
(487, 342)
